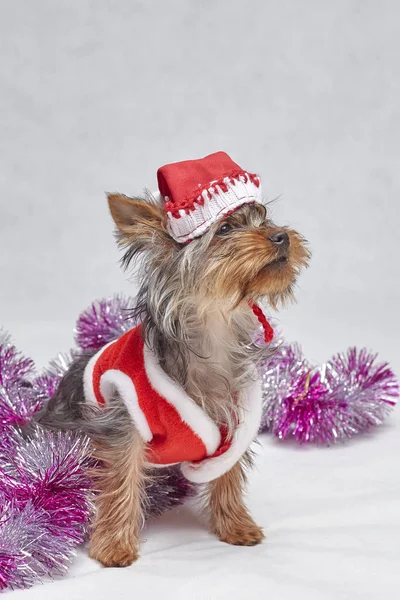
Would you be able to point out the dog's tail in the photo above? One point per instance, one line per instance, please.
(64, 410)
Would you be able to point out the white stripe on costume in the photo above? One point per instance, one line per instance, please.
(113, 381)
(116, 381)
(190, 413)
(90, 396)
(211, 468)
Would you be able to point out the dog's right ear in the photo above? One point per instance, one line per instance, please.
(134, 217)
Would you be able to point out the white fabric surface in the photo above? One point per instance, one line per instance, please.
(332, 522)
(95, 95)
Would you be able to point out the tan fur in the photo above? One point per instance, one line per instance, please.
(229, 517)
(215, 371)
(244, 265)
(115, 538)
(128, 213)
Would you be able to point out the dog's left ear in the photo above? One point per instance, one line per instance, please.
(135, 217)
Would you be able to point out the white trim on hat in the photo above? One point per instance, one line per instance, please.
(215, 203)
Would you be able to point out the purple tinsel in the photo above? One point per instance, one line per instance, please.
(46, 384)
(103, 321)
(17, 404)
(29, 551)
(46, 497)
(347, 395)
(45, 504)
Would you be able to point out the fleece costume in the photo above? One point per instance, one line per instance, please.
(174, 427)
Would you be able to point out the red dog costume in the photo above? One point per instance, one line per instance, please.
(175, 428)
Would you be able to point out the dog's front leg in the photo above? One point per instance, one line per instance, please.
(119, 519)
(230, 519)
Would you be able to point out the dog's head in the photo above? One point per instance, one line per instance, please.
(243, 256)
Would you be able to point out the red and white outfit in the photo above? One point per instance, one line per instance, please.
(194, 194)
(175, 428)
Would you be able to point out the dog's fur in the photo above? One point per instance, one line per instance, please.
(194, 305)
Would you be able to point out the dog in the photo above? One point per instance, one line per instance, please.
(182, 387)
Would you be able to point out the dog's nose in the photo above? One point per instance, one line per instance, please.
(280, 238)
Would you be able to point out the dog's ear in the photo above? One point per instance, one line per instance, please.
(134, 217)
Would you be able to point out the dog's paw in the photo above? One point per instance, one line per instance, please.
(250, 535)
(114, 556)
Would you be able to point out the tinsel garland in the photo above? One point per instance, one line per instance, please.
(45, 493)
(46, 497)
(45, 505)
(325, 404)
(104, 321)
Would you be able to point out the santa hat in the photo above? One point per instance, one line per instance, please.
(197, 193)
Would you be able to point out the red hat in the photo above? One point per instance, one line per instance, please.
(199, 192)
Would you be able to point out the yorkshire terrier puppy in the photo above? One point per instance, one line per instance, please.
(182, 387)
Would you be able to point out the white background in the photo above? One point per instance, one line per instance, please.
(94, 96)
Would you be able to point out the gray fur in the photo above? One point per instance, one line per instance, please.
(68, 410)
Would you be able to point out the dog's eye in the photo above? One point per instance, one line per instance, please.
(224, 229)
